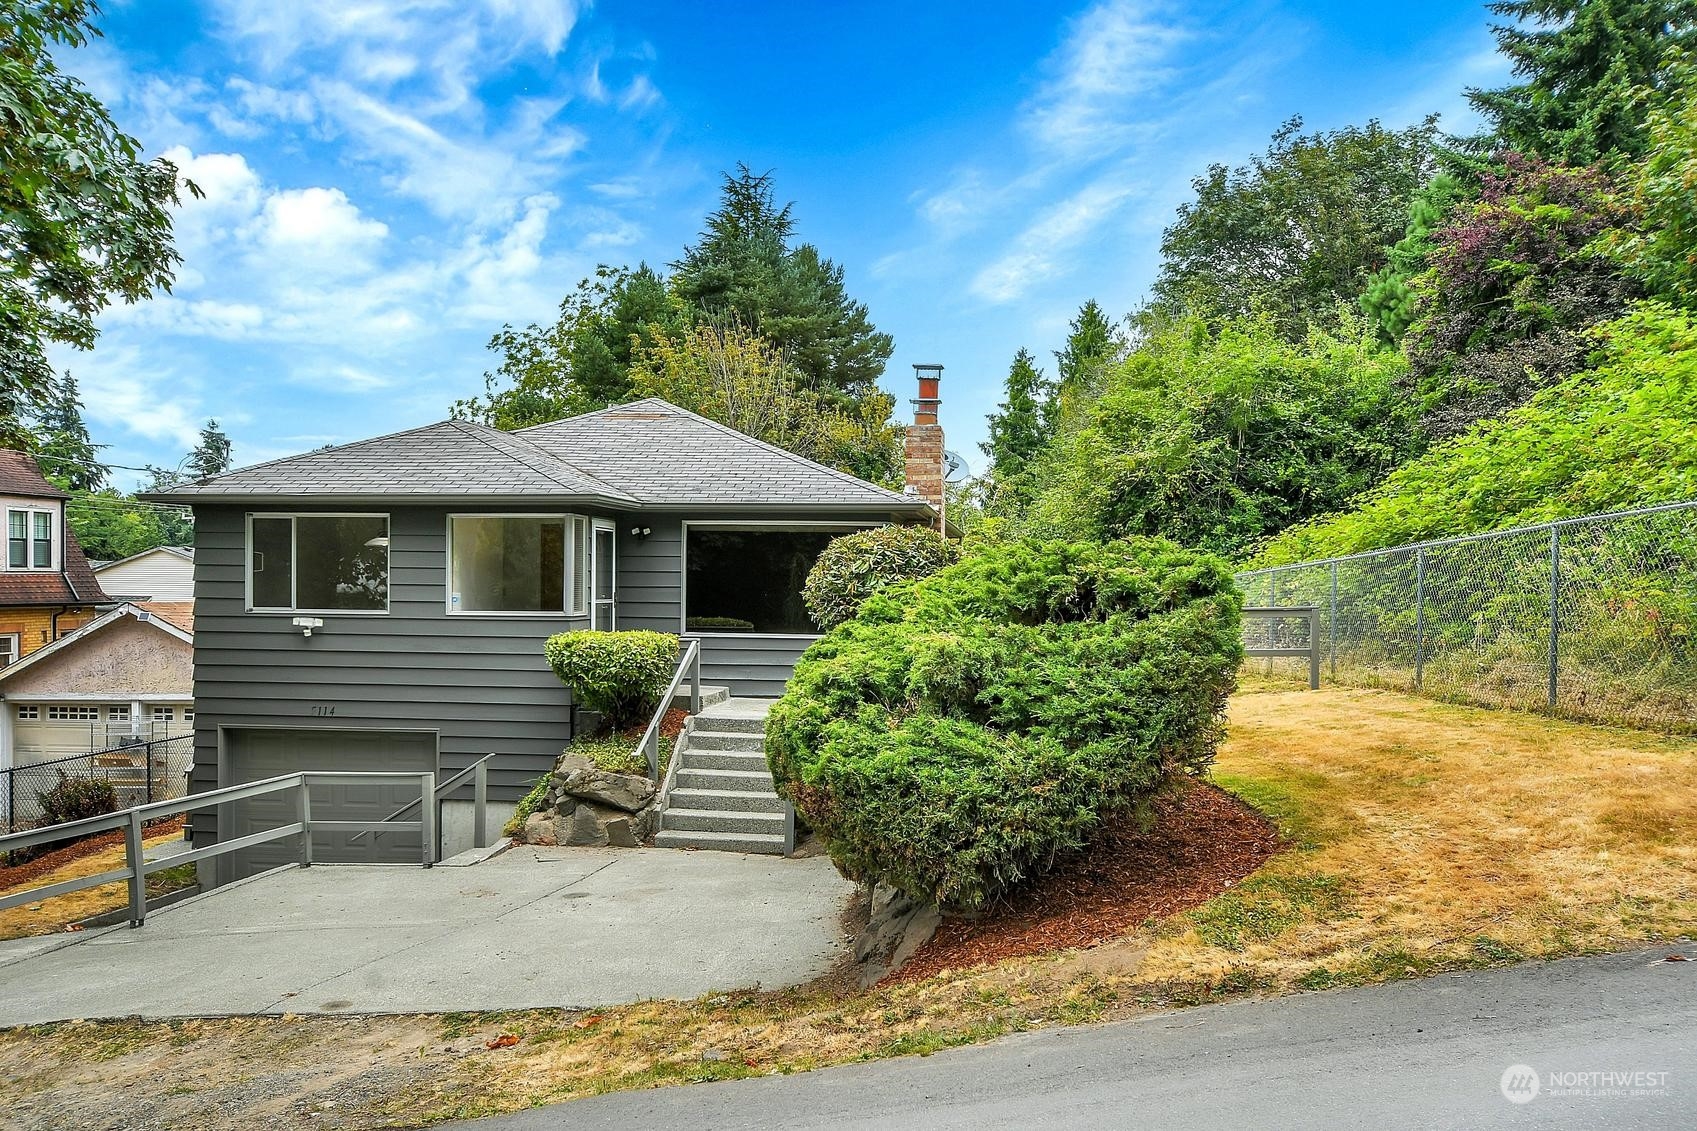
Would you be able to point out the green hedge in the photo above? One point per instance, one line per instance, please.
(966, 731)
(855, 566)
(618, 675)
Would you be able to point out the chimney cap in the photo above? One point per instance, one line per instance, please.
(931, 369)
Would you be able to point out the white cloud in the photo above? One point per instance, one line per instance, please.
(125, 388)
(1113, 53)
(319, 228)
(1039, 251)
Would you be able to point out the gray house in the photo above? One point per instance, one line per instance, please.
(382, 605)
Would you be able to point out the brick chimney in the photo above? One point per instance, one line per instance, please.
(924, 447)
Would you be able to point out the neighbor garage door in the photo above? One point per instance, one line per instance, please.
(253, 754)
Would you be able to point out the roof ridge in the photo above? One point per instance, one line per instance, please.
(305, 455)
(483, 438)
(602, 412)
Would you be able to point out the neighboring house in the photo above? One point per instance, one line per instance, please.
(115, 697)
(46, 587)
(164, 573)
(382, 605)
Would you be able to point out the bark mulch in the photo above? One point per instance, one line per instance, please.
(18, 874)
(1203, 840)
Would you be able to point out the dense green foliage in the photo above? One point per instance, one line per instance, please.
(1218, 437)
(1516, 278)
(1585, 64)
(1390, 300)
(1093, 343)
(76, 797)
(1618, 436)
(1298, 231)
(63, 448)
(83, 219)
(746, 311)
(738, 378)
(618, 675)
(965, 732)
(855, 566)
(1661, 252)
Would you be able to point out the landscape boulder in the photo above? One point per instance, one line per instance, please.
(588, 807)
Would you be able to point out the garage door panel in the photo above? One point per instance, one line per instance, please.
(255, 754)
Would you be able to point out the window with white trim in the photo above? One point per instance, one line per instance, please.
(163, 714)
(188, 714)
(29, 539)
(320, 563)
(10, 643)
(517, 563)
(118, 714)
(29, 713)
(67, 714)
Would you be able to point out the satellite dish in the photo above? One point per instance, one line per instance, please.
(954, 468)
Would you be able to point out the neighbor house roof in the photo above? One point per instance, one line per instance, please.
(649, 454)
(184, 552)
(147, 613)
(178, 614)
(21, 477)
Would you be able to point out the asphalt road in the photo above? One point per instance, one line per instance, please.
(1423, 1054)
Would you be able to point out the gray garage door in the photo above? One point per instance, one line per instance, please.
(253, 754)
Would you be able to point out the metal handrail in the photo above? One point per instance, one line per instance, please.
(690, 661)
(479, 772)
(136, 868)
(1309, 613)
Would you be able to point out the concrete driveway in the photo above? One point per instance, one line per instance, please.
(531, 927)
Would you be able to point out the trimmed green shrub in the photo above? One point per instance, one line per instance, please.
(966, 731)
(526, 806)
(618, 675)
(855, 566)
(76, 798)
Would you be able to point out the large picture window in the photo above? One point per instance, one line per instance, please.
(319, 563)
(750, 579)
(517, 564)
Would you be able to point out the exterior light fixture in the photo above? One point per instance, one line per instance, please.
(307, 624)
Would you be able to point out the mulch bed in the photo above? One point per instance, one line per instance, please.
(41, 865)
(1202, 841)
(670, 727)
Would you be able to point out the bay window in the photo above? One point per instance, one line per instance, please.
(517, 563)
(318, 563)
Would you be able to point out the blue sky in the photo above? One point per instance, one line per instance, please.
(388, 182)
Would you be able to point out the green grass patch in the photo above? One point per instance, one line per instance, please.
(1263, 908)
(1294, 802)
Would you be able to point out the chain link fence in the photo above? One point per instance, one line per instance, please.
(139, 772)
(1589, 618)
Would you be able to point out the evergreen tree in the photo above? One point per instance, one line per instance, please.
(1092, 342)
(1585, 64)
(212, 456)
(1389, 299)
(744, 270)
(1018, 429)
(66, 453)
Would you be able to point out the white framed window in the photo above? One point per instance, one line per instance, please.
(118, 714)
(10, 644)
(318, 563)
(163, 714)
(29, 713)
(71, 714)
(29, 539)
(188, 714)
(518, 564)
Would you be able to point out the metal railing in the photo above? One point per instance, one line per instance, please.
(132, 820)
(1267, 635)
(478, 772)
(138, 772)
(1591, 618)
(689, 662)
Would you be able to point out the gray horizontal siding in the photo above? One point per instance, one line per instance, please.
(756, 666)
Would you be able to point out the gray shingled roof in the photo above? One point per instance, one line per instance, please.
(455, 458)
(646, 454)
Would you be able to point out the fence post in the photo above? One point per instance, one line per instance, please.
(138, 878)
(427, 816)
(1555, 611)
(1419, 618)
(305, 814)
(480, 805)
(1332, 631)
(1313, 618)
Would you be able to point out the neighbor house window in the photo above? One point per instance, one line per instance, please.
(29, 539)
(319, 563)
(118, 714)
(9, 645)
(29, 712)
(748, 579)
(517, 563)
(164, 714)
(73, 714)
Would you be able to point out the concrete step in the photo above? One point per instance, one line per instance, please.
(694, 759)
(751, 741)
(748, 715)
(766, 845)
(711, 696)
(749, 781)
(720, 821)
(726, 800)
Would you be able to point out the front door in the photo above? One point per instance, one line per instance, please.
(604, 589)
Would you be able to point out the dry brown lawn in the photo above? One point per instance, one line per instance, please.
(1424, 837)
(47, 916)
